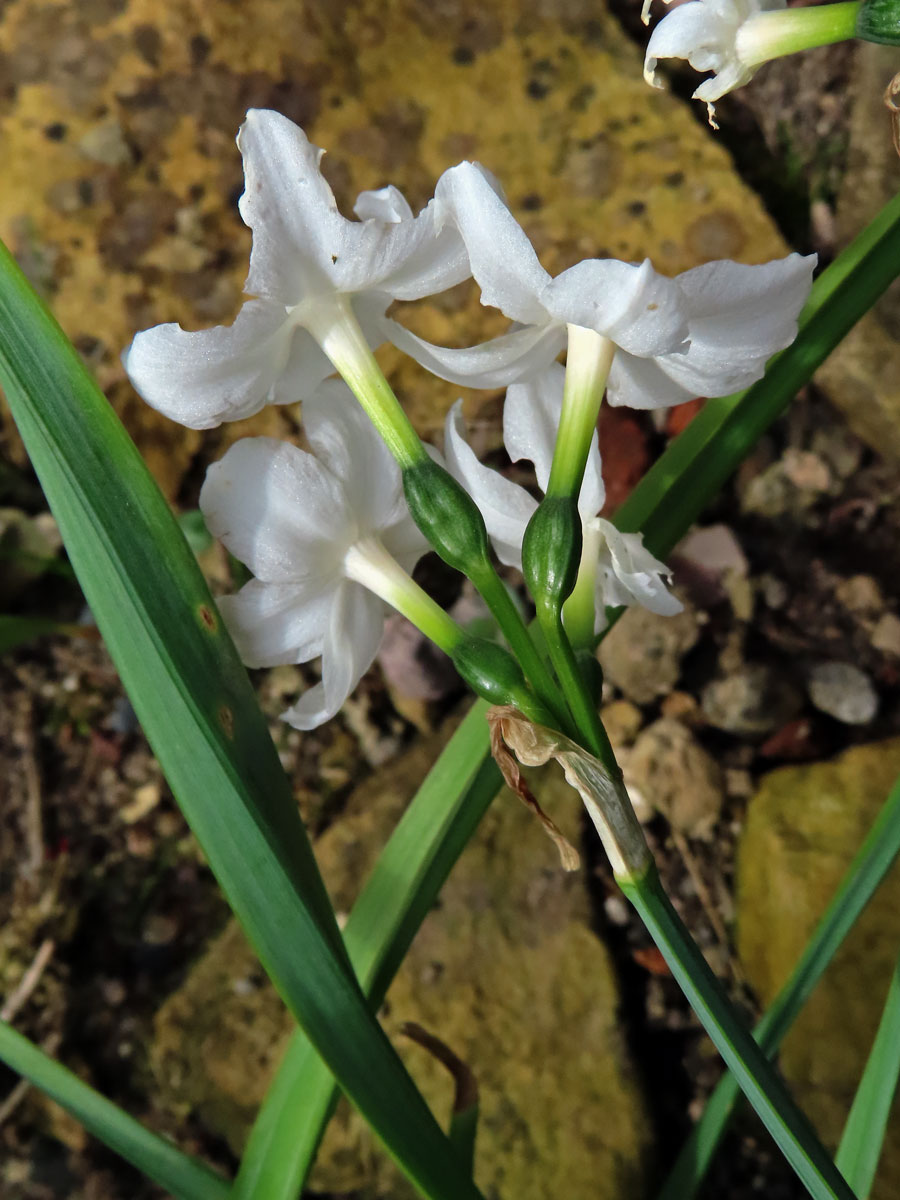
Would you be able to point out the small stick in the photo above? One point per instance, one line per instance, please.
(707, 903)
(29, 981)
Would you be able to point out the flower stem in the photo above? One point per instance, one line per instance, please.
(770, 1098)
(590, 728)
(337, 331)
(579, 608)
(768, 35)
(587, 366)
(494, 593)
(368, 562)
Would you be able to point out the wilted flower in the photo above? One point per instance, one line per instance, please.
(318, 287)
(329, 539)
(620, 570)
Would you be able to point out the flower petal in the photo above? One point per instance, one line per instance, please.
(634, 306)
(278, 510)
(351, 642)
(347, 443)
(223, 374)
(739, 317)
(297, 228)
(277, 623)
(502, 258)
(506, 507)
(640, 383)
(530, 424)
(631, 575)
(503, 360)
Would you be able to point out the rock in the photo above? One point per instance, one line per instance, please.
(622, 721)
(674, 774)
(886, 634)
(861, 595)
(844, 692)
(862, 375)
(751, 701)
(803, 827)
(499, 971)
(642, 653)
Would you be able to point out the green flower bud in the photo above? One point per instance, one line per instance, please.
(551, 550)
(494, 675)
(879, 21)
(448, 516)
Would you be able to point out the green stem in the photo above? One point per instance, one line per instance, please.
(491, 588)
(769, 1097)
(575, 689)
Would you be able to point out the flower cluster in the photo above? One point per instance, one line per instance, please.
(328, 534)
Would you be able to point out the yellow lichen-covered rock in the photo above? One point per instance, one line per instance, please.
(505, 970)
(121, 175)
(803, 827)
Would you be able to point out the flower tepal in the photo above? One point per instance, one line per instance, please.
(313, 273)
(322, 534)
(706, 332)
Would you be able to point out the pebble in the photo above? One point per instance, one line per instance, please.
(751, 701)
(670, 768)
(886, 634)
(844, 692)
(643, 651)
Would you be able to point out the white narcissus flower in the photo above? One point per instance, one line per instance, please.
(318, 287)
(707, 332)
(713, 35)
(733, 38)
(318, 531)
(620, 570)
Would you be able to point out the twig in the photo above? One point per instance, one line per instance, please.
(707, 903)
(29, 981)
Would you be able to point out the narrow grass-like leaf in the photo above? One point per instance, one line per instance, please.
(860, 1148)
(871, 863)
(194, 700)
(791, 1130)
(179, 1174)
(15, 631)
(664, 504)
(409, 873)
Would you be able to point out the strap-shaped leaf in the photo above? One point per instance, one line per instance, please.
(193, 698)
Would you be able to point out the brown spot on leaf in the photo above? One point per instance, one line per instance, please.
(208, 618)
(226, 720)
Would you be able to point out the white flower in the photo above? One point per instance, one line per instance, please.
(707, 332)
(624, 572)
(318, 531)
(312, 274)
(713, 35)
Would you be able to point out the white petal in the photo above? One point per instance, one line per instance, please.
(223, 374)
(386, 204)
(297, 228)
(276, 623)
(354, 634)
(501, 361)
(347, 443)
(278, 510)
(506, 507)
(530, 424)
(634, 306)
(640, 383)
(633, 575)
(502, 258)
(694, 31)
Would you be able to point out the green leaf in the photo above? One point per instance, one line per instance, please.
(409, 874)
(159, 1159)
(15, 631)
(864, 875)
(791, 1130)
(860, 1148)
(194, 700)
